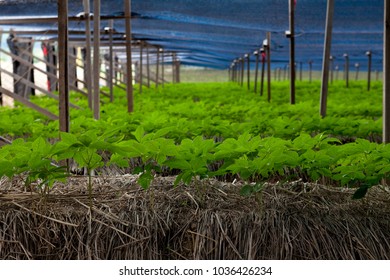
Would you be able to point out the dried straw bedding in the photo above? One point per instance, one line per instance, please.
(207, 220)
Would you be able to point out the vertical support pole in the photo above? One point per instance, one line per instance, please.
(63, 65)
(256, 54)
(157, 65)
(242, 71)
(346, 70)
(357, 66)
(1, 41)
(148, 65)
(163, 67)
(331, 69)
(173, 68)
(310, 70)
(111, 61)
(129, 62)
(369, 54)
(141, 78)
(263, 55)
(325, 63)
(269, 65)
(96, 59)
(248, 71)
(386, 75)
(177, 70)
(88, 58)
(292, 50)
(300, 71)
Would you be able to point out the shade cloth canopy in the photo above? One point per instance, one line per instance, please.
(212, 33)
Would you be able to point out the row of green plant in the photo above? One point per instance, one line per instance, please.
(217, 110)
(360, 164)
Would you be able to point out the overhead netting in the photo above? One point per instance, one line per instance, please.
(214, 32)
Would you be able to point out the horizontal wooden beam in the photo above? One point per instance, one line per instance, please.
(28, 103)
(49, 19)
(32, 85)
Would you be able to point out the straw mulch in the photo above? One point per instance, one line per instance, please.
(208, 220)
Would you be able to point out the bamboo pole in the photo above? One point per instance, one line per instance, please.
(325, 63)
(63, 65)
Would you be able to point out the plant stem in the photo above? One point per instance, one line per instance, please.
(90, 187)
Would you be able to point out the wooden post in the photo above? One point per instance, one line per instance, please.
(263, 56)
(292, 50)
(325, 63)
(111, 61)
(331, 68)
(346, 70)
(141, 81)
(63, 65)
(129, 63)
(157, 66)
(242, 70)
(357, 66)
(256, 54)
(369, 55)
(386, 75)
(248, 71)
(300, 71)
(173, 69)
(310, 70)
(177, 68)
(147, 65)
(1, 40)
(162, 67)
(269, 65)
(96, 59)
(88, 58)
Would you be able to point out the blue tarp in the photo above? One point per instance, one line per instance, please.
(214, 32)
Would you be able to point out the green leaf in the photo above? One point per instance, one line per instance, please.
(246, 190)
(39, 146)
(119, 160)
(6, 168)
(69, 138)
(139, 133)
(145, 179)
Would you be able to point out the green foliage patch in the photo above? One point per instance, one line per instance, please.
(200, 131)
